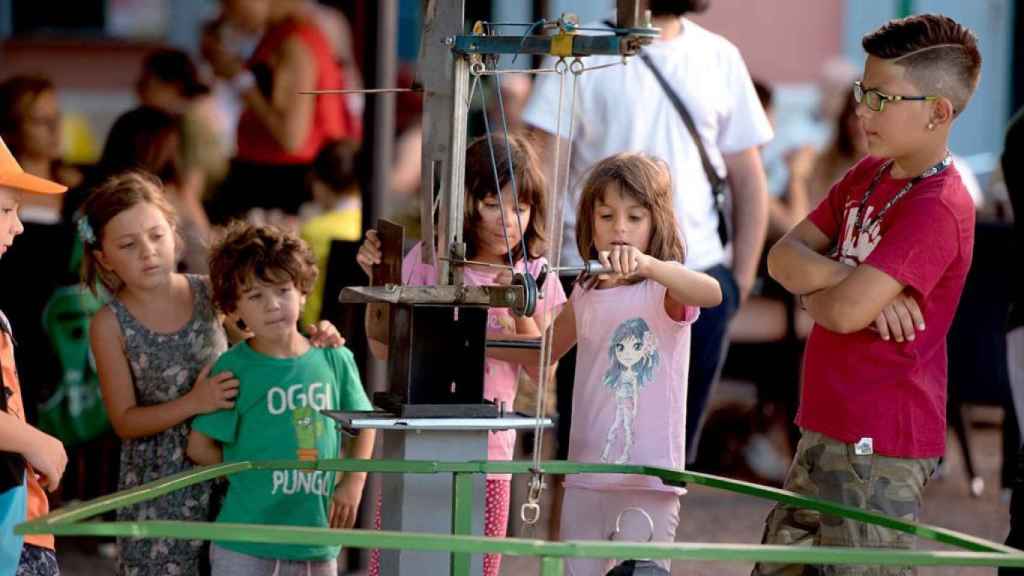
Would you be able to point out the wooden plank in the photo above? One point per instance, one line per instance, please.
(392, 240)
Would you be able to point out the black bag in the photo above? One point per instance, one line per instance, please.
(638, 568)
(719, 187)
(12, 464)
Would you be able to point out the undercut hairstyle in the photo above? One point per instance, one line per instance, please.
(939, 55)
(530, 185)
(643, 178)
(249, 254)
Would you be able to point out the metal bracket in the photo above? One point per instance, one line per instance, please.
(493, 296)
(565, 43)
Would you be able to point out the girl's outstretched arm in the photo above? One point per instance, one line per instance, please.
(564, 338)
(685, 287)
(376, 319)
(130, 420)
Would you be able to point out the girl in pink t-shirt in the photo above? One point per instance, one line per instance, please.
(632, 329)
(490, 228)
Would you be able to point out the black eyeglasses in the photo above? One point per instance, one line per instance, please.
(876, 100)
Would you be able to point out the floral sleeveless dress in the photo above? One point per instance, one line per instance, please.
(164, 367)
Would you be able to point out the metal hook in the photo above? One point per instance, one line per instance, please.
(530, 511)
(618, 523)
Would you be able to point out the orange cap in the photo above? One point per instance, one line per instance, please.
(12, 176)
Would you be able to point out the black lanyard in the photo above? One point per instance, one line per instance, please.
(858, 227)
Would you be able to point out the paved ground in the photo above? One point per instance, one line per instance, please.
(713, 516)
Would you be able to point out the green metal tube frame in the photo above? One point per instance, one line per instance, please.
(462, 545)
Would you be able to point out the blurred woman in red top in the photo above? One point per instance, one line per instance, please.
(280, 131)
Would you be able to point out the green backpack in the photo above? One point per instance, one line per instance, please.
(75, 412)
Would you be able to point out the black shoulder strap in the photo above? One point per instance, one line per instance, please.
(718, 183)
(713, 177)
(5, 392)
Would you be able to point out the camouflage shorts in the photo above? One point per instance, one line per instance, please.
(831, 470)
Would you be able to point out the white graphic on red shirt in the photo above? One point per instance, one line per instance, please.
(858, 245)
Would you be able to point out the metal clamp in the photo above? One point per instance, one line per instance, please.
(530, 511)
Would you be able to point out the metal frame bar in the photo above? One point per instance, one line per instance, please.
(442, 19)
(462, 517)
(453, 197)
(67, 521)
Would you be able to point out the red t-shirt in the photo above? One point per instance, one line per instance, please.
(858, 385)
(331, 115)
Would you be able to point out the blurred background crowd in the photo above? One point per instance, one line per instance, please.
(91, 87)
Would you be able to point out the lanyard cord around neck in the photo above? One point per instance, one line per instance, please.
(930, 171)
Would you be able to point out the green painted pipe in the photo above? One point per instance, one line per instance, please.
(66, 521)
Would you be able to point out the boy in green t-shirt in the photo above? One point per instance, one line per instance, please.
(261, 276)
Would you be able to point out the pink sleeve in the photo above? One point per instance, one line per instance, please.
(414, 271)
(657, 293)
(918, 248)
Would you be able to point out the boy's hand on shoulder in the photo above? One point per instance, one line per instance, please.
(211, 393)
(323, 334)
(345, 502)
(900, 320)
(47, 457)
(369, 253)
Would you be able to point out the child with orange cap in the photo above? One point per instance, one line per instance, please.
(30, 460)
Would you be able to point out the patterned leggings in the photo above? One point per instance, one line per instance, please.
(37, 561)
(499, 493)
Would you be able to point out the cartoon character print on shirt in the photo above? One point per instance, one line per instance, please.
(633, 358)
(307, 429)
(856, 246)
(304, 405)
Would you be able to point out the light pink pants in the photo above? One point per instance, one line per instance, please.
(591, 515)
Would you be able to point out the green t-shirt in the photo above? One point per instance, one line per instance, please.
(276, 416)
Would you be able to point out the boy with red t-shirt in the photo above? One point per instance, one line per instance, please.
(880, 266)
